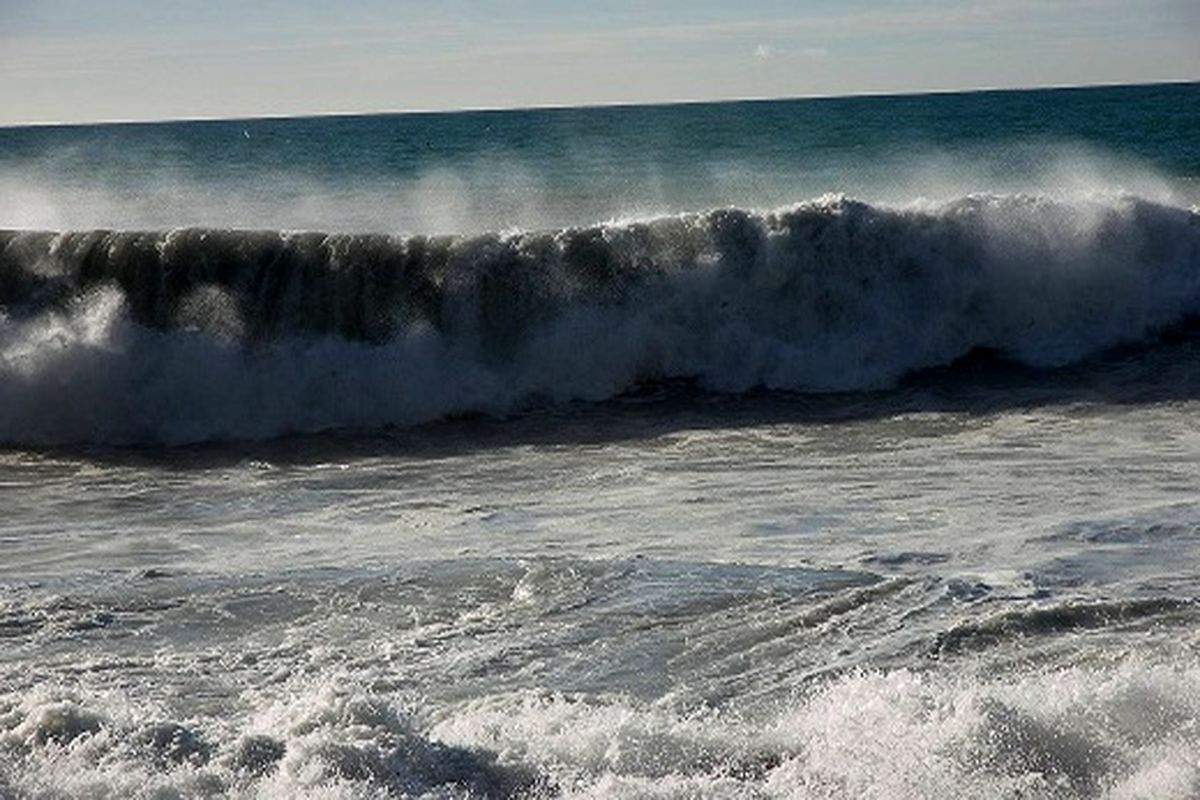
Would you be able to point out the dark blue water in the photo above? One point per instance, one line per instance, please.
(547, 168)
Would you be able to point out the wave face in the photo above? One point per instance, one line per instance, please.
(193, 335)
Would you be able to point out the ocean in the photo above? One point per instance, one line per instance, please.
(831, 448)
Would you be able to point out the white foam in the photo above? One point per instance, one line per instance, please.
(1127, 729)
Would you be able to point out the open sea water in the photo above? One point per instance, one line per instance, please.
(841, 448)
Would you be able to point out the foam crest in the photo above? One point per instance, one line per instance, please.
(1121, 730)
(193, 335)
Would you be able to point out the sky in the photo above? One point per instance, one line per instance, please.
(87, 60)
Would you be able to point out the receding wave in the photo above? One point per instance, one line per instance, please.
(197, 334)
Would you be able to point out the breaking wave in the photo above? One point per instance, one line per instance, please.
(197, 334)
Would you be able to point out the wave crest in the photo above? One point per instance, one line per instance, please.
(198, 334)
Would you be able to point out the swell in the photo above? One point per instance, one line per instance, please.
(195, 334)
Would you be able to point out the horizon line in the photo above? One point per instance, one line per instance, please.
(617, 104)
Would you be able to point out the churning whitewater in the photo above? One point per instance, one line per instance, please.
(194, 334)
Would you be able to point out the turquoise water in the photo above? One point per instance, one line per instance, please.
(806, 449)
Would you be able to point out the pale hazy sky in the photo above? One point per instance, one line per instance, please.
(76, 60)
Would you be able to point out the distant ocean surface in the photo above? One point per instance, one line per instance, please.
(840, 448)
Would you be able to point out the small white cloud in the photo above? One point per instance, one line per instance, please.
(765, 51)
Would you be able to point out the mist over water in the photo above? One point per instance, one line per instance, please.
(498, 192)
(540, 170)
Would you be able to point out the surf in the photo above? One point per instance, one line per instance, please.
(191, 335)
